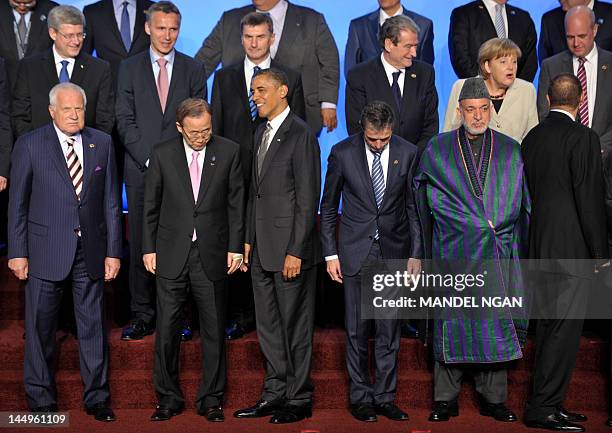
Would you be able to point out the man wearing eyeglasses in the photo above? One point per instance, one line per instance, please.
(27, 34)
(192, 239)
(63, 63)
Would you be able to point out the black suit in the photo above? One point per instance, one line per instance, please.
(104, 37)
(564, 172)
(471, 26)
(417, 120)
(6, 138)
(552, 31)
(231, 111)
(37, 76)
(397, 222)
(38, 38)
(141, 124)
(200, 267)
(280, 221)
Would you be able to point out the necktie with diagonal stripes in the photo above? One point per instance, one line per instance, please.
(74, 167)
(583, 110)
(500, 27)
(378, 181)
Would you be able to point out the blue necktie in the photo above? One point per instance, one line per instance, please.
(395, 89)
(125, 27)
(252, 105)
(378, 181)
(63, 76)
(500, 27)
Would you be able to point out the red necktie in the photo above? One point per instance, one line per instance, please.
(583, 110)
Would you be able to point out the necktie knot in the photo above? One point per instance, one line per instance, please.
(396, 76)
(581, 61)
(64, 63)
(194, 155)
(377, 154)
(499, 8)
(162, 62)
(125, 4)
(256, 70)
(70, 141)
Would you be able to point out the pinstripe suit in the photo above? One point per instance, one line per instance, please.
(44, 213)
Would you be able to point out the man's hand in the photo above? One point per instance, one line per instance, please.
(3, 183)
(19, 266)
(234, 262)
(111, 268)
(292, 267)
(414, 266)
(334, 271)
(329, 118)
(150, 262)
(245, 260)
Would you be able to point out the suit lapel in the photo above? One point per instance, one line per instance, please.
(380, 76)
(182, 168)
(108, 10)
(513, 24)
(89, 159)
(149, 77)
(240, 82)
(392, 171)
(361, 167)
(484, 17)
(38, 27)
(602, 78)
(208, 170)
(409, 96)
(275, 143)
(7, 26)
(57, 155)
(79, 71)
(374, 26)
(50, 70)
(293, 21)
(139, 24)
(177, 68)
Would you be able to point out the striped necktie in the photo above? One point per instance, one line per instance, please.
(583, 110)
(500, 28)
(378, 181)
(252, 105)
(74, 167)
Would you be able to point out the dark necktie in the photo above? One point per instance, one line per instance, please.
(395, 89)
(263, 147)
(22, 32)
(126, 35)
(63, 75)
(74, 167)
(252, 105)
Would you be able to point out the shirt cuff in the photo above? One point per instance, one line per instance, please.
(328, 105)
(330, 258)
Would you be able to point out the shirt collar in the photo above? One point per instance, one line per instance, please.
(278, 10)
(189, 151)
(383, 16)
(62, 137)
(17, 15)
(278, 120)
(591, 57)
(169, 57)
(389, 68)
(265, 64)
(118, 4)
(591, 4)
(57, 58)
(567, 113)
(490, 4)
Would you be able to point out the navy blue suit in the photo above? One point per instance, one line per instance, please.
(362, 43)
(348, 175)
(44, 215)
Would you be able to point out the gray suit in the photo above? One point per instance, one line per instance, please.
(306, 46)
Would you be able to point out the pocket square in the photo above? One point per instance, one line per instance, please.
(98, 168)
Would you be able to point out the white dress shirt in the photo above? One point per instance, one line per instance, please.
(276, 123)
(567, 113)
(131, 7)
(58, 62)
(277, 13)
(383, 16)
(590, 67)
(490, 5)
(389, 70)
(26, 17)
(248, 70)
(169, 57)
(591, 4)
(78, 145)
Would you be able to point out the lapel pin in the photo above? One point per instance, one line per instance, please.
(412, 75)
(513, 12)
(212, 160)
(43, 18)
(395, 162)
(604, 68)
(480, 7)
(91, 145)
(82, 67)
(600, 21)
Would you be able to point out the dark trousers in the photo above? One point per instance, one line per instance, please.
(284, 312)
(386, 346)
(241, 307)
(142, 283)
(557, 344)
(42, 306)
(210, 299)
(491, 381)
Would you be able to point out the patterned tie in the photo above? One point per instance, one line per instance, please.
(583, 110)
(194, 173)
(22, 32)
(500, 28)
(252, 105)
(395, 89)
(162, 83)
(126, 35)
(263, 147)
(74, 167)
(378, 181)
(63, 76)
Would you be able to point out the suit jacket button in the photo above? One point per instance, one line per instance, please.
(195, 214)
(258, 196)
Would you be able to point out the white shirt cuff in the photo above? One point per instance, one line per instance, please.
(328, 105)
(330, 258)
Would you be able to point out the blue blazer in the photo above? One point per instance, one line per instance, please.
(348, 176)
(44, 210)
(362, 43)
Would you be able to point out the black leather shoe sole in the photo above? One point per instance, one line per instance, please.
(164, 414)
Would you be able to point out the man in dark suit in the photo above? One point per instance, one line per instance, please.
(282, 249)
(115, 29)
(151, 84)
(564, 172)
(23, 31)
(193, 238)
(362, 43)
(64, 62)
(65, 228)
(373, 172)
(6, 144)
(235, 117)
(303, 43)
(478, 21)
(552, 31)
(405, 84)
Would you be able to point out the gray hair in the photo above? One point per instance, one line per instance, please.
(66, 86)
(578, 10)
(393, 26)
(65, 14)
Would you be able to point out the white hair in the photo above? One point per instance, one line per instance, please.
(66, 86)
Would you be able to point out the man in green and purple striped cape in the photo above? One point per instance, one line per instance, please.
(474, 207)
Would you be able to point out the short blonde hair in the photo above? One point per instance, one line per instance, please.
(494, 49)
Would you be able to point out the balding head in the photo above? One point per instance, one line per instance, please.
(580, 30)
(565, 93)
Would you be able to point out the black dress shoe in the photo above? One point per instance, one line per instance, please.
(48, 408)
(443, 410)
(570, 416)
(101, 412)
(291, 413)
(261, 408)
(186, 333)
(363, 412)
(212, 413)
(609, 422)
(164, 413)
(497, 411)
(554, 422)
(391, 411)
(137, 330)
(234, 331)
